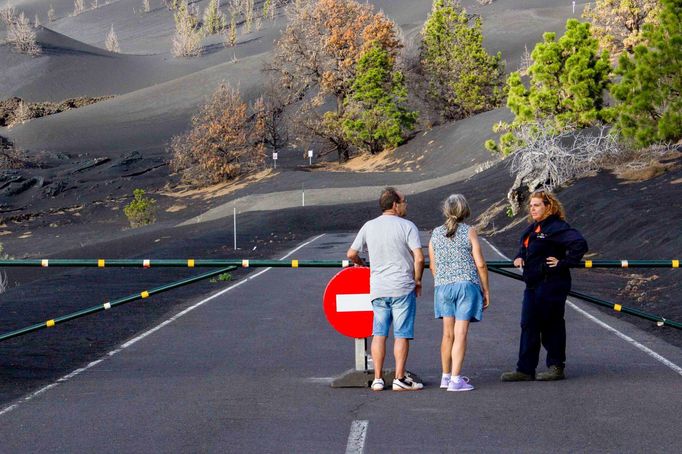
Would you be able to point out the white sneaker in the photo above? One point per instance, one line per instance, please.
(460, 385)
(406, 384)
(378, 384)
(444, 382)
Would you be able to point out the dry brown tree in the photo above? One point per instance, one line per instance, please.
(20, 33)
(273, 104)
(226, 140)
(316, 56)
(617, 24)
(550, 160)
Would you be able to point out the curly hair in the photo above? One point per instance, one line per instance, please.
(554, 207)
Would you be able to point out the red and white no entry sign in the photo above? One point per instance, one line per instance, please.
(346, 303)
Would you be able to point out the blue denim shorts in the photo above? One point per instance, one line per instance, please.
(400, 309)
(462, 300)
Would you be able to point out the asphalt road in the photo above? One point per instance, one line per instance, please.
(249, 371)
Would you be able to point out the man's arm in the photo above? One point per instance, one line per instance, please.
(356, 247)
(418, 269)
(354, 257)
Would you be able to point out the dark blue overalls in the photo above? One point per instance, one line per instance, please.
(544, 300)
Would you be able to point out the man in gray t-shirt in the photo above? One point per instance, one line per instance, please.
(397, 263)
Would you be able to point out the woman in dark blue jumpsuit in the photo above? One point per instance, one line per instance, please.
(549, 246)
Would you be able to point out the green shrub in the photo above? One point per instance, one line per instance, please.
(224, 277)
(141, 210)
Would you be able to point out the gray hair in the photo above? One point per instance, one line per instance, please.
(455, 209)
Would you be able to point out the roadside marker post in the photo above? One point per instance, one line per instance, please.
(310, 157)
(274, 159)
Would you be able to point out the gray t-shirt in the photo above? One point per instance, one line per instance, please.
(389, 241)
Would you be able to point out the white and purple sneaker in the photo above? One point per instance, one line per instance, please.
(461, 384)
(444, 382)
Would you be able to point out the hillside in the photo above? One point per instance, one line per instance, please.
(93, 157)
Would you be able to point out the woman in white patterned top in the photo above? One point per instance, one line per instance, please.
(461, 287)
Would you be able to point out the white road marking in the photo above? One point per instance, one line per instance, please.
(356, 438)
(608, 327)
(76, 372)
(628, 339)
(325, 380)
(353, 302)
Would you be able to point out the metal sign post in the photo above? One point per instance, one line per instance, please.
(361, 355)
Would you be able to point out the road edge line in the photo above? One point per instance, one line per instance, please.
(138, 338)
(666, 362)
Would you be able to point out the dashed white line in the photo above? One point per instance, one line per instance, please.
(356, 438)
(76, 372)
(608, 327)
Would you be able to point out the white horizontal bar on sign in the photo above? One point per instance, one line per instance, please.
(353, 302)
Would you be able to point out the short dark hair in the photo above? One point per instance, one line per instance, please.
(389, 196)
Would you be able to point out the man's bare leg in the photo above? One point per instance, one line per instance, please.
(401, 348)
(378, 354)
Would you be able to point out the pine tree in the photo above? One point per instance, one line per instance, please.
(375, 118)
(187, 38)
(229, 34)
(463, 78)
(214, 21)
(568, 79)
(111, 42)
(649, 90)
